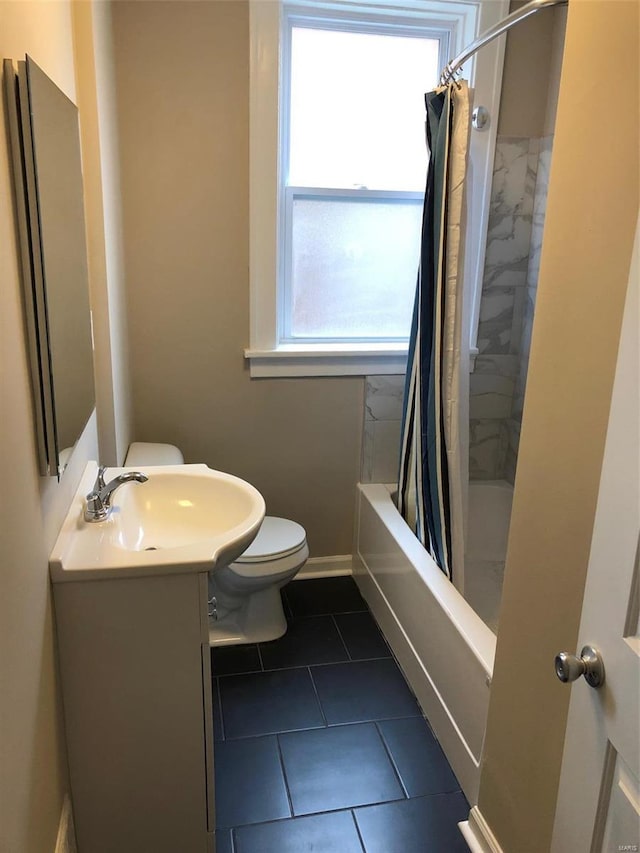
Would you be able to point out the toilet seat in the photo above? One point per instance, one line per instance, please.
(279, 541)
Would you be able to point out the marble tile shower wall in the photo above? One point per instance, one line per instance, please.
(382, 424)
(516, 220)
(497, 385)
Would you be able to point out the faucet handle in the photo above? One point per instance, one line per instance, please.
(99, 484)
(95, 510)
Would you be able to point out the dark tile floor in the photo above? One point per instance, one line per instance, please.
(320, 744)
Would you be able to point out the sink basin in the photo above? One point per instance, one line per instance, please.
(185, 518)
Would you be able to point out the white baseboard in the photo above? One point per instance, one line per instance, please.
(478, 835)
(66, 841)
(326, 567)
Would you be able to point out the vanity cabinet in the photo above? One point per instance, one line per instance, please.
(136, 680)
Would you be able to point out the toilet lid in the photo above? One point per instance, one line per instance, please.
(278, 537)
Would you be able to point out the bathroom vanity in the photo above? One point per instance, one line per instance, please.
(130, 595)
(135, 665)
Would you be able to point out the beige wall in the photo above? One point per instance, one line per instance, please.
(559, 17)
(183, 97)
(32, 748)
(95, 76)
(533, 54)
(33, 764)
(591, 216)
(182, 87)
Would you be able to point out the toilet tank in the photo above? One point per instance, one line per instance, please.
(146, 453)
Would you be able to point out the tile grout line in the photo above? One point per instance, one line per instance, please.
(319, 728)
(389, 755)
(359, 834)
(344, 642)
(321, 813)
(317, 695)
(284, 778)
(342, 810)
(306, 665)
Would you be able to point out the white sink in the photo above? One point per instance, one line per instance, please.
(185, 518)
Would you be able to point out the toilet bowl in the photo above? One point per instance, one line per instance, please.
(244, 598)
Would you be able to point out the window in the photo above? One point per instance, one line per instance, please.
(354, 177)
(337, 174)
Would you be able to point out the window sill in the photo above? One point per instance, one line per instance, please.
(327, 360)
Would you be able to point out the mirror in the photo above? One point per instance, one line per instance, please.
(45, 143)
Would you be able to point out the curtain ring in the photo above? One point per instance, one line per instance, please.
(448, 76)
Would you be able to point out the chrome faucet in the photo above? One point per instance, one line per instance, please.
(98, 505)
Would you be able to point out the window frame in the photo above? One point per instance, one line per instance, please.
(269, 196)
(319, 17)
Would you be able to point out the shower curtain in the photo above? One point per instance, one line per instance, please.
(430, 488)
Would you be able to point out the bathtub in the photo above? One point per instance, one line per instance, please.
(445, 650)
(487, 532)
(489, 517)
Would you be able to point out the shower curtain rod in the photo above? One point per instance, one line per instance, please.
(454, 65)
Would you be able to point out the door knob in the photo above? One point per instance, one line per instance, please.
(590, 664)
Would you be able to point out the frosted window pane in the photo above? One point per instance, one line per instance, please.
(354, 267)
(357, 109)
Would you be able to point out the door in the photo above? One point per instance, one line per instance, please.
(598, 805)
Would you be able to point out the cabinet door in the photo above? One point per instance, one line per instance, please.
(132, 677)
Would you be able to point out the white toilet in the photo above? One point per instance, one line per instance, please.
(244, 598)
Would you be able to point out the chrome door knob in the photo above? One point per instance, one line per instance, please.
(590, 664)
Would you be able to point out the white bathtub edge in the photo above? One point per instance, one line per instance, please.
(480, 639)
(462, 760)
(444, 649)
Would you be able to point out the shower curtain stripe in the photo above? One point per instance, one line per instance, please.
(425, 486)
(440, 484)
